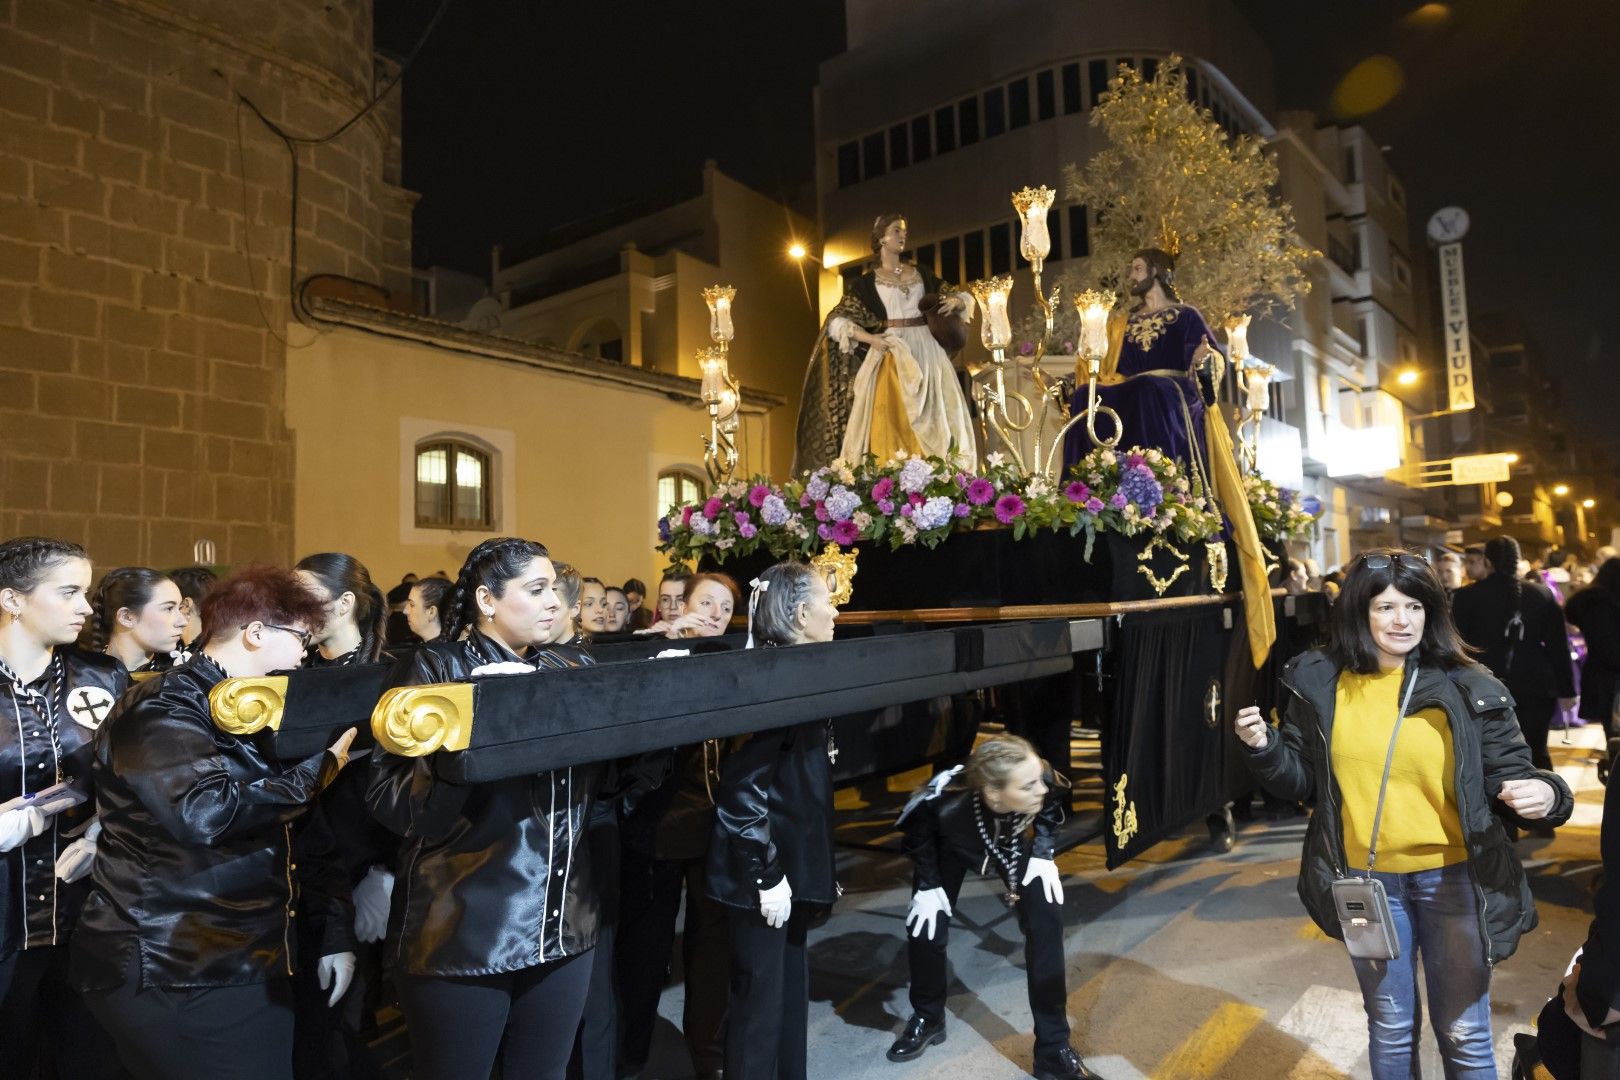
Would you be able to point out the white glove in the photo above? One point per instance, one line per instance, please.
(1047, 871)
(503, 667)
(776, 903)
(336, 971)
(78, 857)
(926, 905)
(371, 900)
(19, 826)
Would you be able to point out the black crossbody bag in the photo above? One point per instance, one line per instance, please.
(1361, 903)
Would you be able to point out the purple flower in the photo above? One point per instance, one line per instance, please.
(842, 503)
(845, 532)
(886, 506)
(663, 529)
(773, 511)
(804, 501)
(915, 474)
(907, 510)
(1094, 504)
(1133, 460)
(1311, 505)
(702, 526)
(1025, 348)
(757, 494)
(817, 487)
(824, 531)
(1009, 508)
(1139, 486)
(1077, 492)
(915, 498)
(711, 509)
(882, 489)
(746, 530)
(962, 510)
(934, 513)
(980, 491)
(821, 511)
(1116, 501)
(740, 517)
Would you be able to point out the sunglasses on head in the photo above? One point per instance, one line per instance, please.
(1383, 562)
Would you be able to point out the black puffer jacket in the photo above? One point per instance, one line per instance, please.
(1597, 615)
(194, 868)
(1489, 750)
(943, 826)
(773, 818)
(469, 898)
(46, 733)
(1540, 664)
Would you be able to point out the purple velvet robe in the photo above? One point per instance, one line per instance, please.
(1151, 407)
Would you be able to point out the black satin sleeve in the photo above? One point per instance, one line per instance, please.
(406, 794)
(742, 806)
(165, 751)
(1053, 812)
(919, 841)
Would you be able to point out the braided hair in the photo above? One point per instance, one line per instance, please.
(492, 564)
(126, 587)
(338, 574)
(778, 592)
(25, 560)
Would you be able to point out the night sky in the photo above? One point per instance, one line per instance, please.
(528, 123)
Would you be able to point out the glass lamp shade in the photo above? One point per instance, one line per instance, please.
(1032, 205)
(1094, 306)
(995, 329)
(719, 298)
(1237, 339)
(715, 375)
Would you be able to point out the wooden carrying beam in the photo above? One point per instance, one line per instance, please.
(532, 723)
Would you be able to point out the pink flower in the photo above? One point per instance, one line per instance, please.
(711, 509)
(1025, 348)
(1094, 504)
(1077, 492)
(745, 529)
(962, 510)
(741, 518)
(824, 531)
(916, 498)
(980, 491)
(756, 495)
(882, 489)
(1009, 508)
(1133, 460)
(821, 511)
(686, 515)
(905, 511)
(886, 506)
(804, 501)
(845, 532)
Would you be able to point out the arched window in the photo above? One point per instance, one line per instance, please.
(454, 485)
(678, 486)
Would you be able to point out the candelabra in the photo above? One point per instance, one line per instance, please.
(1093, 307)
(1255, 376)
(720, 392)
(993, 394)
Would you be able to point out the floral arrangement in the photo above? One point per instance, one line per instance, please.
(913, 500)
(1280, 513)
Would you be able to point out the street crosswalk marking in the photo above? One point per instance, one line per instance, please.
(1201, 1054)
(1325, 1019)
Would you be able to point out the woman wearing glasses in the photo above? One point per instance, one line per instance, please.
(183, 948)
(1415, 760)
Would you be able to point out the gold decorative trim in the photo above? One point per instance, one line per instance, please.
(1161, 584)
(1218, 566)
(248, 706)
(142, 676)
(839, 568)
(414, 721)
(1125, 823)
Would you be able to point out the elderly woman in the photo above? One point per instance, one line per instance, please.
(184, 949)
(998, 814)
(1416, 762)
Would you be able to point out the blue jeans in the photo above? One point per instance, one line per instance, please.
(1437, 916)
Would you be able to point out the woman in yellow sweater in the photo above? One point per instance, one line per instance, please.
(1459, 771)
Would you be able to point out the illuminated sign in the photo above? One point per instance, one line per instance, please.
(1454, 310)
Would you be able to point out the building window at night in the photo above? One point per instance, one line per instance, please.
(995, 112)
(921, 144)
(872, 156)
(945, 129)
(950, 261)
(1402, 272)
(1071, 89)
(849, 165)
(1018, 102)
(899, 153)
(1045, 96)
(454, 485)
(677, 487)
(973, 255)
(1079, 237)
(967, 121)
(1000, 249)
(1098, 72)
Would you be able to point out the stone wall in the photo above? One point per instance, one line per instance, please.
(144, 259)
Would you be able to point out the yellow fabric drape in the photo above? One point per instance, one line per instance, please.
(891, 430)
(1251, 556)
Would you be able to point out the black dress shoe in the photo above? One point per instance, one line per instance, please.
(1066, 1064)
(918, 1036)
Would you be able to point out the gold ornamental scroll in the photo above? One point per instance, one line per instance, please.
(414, 721)
(248, 706)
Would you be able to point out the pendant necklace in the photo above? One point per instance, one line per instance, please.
(1008, 863)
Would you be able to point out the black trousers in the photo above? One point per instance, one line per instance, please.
(461, 1025)
(1042, 924)
(1535, 716)
(649, 905)
(213, 1033)
(329, 1040)
(596, 1045)
(768, 1012)
(44, 1024)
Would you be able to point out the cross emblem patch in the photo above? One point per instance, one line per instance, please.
(89, 705)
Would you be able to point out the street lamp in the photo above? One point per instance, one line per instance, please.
(1407, 376)
(1560, 489)
(797, 251)
(1589, 503)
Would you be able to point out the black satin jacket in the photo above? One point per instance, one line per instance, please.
(675, 819)
(194, 868)
(495, 876)
(46, 730)
(943, 827)
(774, 818)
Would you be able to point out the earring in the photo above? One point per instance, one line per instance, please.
(486, 613)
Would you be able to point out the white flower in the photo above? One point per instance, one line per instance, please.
(863, 520)
(1108, 458)
(994, 459)
(725, 542)
(1038, 487)
(908, 531)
